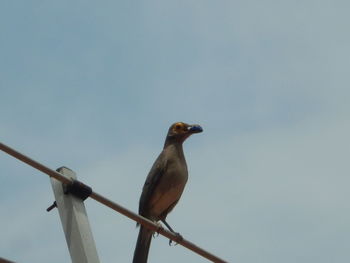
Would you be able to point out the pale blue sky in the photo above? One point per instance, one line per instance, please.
(95, 85)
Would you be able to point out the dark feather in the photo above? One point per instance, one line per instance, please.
(142, 245)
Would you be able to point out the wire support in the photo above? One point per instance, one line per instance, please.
(116, 207)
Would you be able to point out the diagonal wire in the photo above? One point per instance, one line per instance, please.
(2, 260)
(116, 207)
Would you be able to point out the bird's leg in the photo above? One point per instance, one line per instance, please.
(171, 230)
(168, 226)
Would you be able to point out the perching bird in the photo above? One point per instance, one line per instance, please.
(164, 184)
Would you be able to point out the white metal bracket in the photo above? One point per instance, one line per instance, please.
(75, 222)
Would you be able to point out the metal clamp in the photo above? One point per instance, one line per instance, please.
(78, 189)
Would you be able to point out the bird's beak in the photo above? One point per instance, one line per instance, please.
(195, 128)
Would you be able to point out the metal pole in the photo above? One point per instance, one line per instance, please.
(75, 223)
(103, 200)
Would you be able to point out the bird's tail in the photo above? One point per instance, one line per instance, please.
(142, 245)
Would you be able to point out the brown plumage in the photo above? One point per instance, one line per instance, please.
(164, 184)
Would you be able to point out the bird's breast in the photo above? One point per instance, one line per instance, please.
(170, 187)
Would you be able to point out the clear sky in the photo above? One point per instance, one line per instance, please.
(94, 86)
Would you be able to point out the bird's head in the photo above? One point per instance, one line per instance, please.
(180, 131)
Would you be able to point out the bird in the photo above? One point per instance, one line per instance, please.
(164, 185)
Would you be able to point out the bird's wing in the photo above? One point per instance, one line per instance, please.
(157, 171)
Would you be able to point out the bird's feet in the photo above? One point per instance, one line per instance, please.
(179, 238)
(160, 227)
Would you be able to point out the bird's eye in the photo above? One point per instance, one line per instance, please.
(178, 126)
